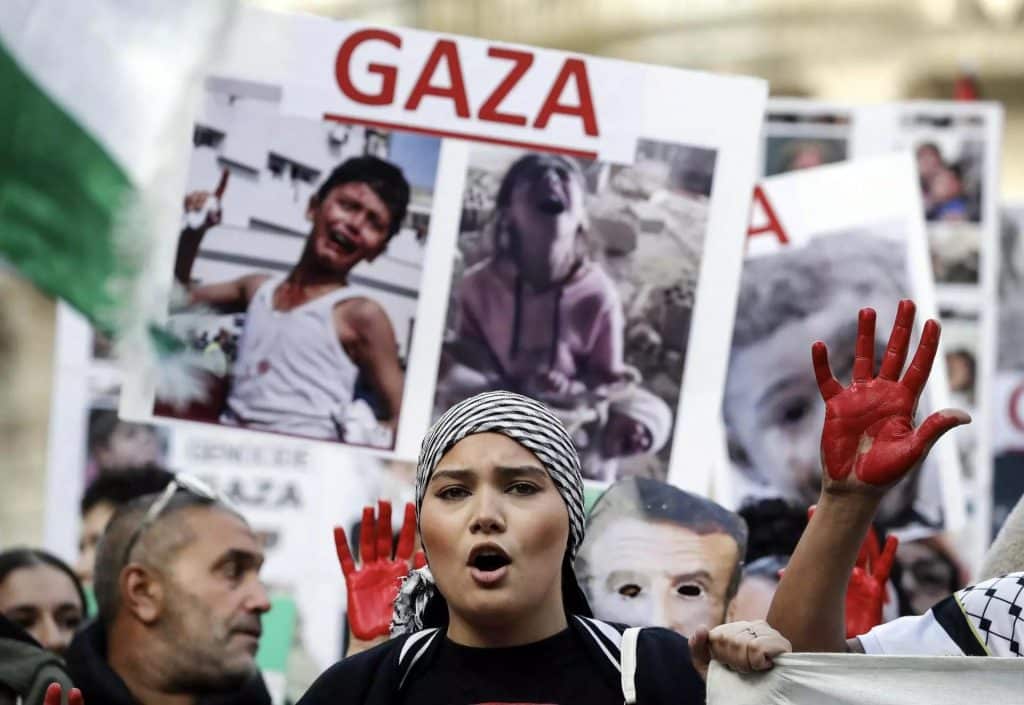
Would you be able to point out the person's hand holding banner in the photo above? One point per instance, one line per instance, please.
(373, 585)
(869, 442)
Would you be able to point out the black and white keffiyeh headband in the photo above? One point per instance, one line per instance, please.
(525, 421)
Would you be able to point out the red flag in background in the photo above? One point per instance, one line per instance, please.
(965, 86)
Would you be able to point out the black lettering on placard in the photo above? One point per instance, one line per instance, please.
(201, 451)
(263, 493)
(259, 492)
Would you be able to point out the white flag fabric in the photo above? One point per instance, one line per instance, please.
(858, 679)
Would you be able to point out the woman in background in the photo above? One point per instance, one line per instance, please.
(40, 593)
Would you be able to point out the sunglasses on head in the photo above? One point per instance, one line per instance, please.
(182, 482)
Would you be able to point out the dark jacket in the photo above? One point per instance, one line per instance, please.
(100, 685)
(26, 668)
(665, 674)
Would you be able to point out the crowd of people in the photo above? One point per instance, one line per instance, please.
(520, 594)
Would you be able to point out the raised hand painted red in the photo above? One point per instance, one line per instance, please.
(869, 436)
(865, 593)
(373, 585)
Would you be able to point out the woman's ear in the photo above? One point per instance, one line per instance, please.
(311, 208)
(142, 593)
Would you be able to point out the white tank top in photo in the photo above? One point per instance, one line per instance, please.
(292, 375)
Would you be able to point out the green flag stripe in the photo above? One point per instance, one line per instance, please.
(59, 197)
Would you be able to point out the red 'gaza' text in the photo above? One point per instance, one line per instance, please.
(446, 52)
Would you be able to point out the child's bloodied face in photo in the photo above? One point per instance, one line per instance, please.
(772, 406)
(544, 211)
(350, 224)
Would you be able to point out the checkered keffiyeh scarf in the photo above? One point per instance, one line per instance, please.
(525, 421)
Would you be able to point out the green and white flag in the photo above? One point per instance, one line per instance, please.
(95, 125)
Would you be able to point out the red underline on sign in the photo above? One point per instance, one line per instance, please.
(579, 153)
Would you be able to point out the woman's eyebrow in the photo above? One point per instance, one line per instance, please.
(506, 472)
(454, 474)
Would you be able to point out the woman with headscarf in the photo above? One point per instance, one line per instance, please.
(498, 616)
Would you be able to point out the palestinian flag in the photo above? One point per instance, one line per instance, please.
(95, 122)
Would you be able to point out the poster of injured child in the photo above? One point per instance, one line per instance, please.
(303, 241)
(824, 243)
(575, 283)
(800, 134)
(956, 147)
(321, 331)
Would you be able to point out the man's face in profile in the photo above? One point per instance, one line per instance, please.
(658, 573)
(214, 603)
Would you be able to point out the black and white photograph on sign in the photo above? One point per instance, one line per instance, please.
(961, 342)
(951, 164)
(113, 444)
(575, 283)
(772, 406)
(802, 134)
(116, 445)
(951, 180)
(785, 154)
(301, 252)
(961, 338)
(1008, 382)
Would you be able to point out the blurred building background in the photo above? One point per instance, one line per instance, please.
(841, 50)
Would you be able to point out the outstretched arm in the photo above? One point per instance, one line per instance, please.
(227, 297)
(868, 444)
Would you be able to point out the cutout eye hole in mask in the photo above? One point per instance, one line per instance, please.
(690, 590)
(630, 590)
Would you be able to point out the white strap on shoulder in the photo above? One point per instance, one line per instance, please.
(426, 636)
(628, 660)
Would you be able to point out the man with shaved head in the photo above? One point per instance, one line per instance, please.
(179, 596)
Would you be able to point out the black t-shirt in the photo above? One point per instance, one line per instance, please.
(555, 671)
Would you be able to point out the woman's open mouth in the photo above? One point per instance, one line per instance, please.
(488, 564)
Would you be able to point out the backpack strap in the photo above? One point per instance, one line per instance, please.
(619, 646)
(628, 659)
(412, 651)
(605, 636)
